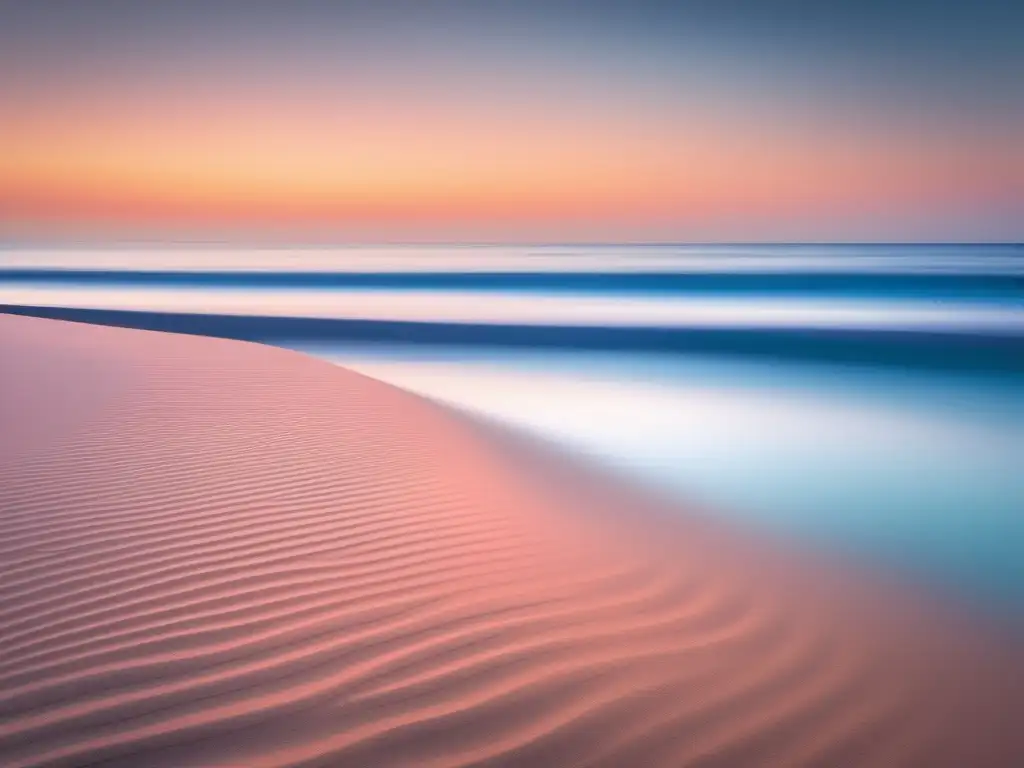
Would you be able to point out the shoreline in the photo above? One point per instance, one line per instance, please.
(220, 551)
(951, 351)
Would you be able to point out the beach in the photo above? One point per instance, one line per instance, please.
(218, 552)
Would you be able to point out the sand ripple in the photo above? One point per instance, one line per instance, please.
(216, 553)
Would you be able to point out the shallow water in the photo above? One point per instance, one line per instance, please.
(863, 398)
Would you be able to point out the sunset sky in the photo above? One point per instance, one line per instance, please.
(516, 121)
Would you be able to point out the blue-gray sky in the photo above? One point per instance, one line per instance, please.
(513, 120)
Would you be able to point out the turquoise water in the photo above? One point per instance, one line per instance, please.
(863, 399)
(915, 472)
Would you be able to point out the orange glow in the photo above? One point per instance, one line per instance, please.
(280, 162)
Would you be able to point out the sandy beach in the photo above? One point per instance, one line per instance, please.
(221, 553)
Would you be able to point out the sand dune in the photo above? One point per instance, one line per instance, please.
(217, 553)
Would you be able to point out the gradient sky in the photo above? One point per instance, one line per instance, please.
(519, 121)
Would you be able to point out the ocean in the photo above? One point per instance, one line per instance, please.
(866, 400)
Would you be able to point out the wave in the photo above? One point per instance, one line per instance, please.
(933, 350)
(889, 284)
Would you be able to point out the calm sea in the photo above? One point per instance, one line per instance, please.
(868, 399)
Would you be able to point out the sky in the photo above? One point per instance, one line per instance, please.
(376, 121)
